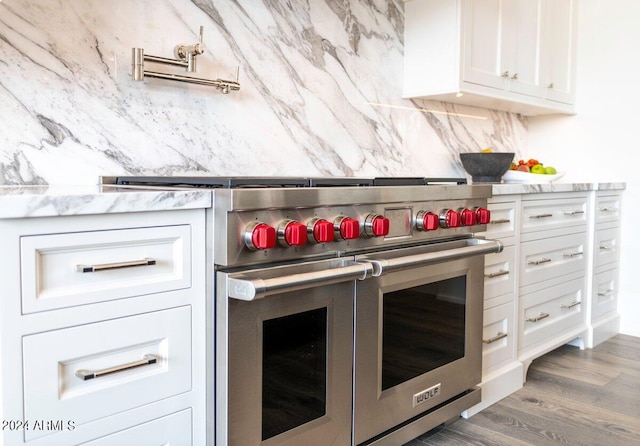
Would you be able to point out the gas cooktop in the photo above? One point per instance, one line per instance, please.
(234, 182)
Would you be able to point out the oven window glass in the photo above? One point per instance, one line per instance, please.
(294, 371)
(423, 329)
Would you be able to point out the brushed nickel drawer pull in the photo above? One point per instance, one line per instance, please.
(539, 262)
(539, 317)
(573, 212)
(605, 292)
(573, 254)
(117, 265)
(571, 305)
(501, 272)
(607, 209)
(606, 247)
(497, 337)
(91, 374)
(541, 216)
(499, 221)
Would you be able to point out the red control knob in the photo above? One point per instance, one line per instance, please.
(449, 218)
(320, 231)
(467, 217)
(346, 228)
(483, 215)
(427, 221)
(259, 235)
(376, 225)
(292, 233)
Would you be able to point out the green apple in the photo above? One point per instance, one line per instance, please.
(550, 170)
(538, 168)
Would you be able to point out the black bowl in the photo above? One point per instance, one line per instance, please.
(486, 167)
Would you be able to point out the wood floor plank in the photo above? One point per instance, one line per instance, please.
(571, 397)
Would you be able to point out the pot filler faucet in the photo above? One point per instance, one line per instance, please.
(185, 56)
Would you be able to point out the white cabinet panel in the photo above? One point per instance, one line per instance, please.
(498, 336)
(541, 260)
(171, 430)
(499, 276)
(63, 270)
(57, 365)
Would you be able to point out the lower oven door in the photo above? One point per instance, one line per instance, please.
(418, 337)
(284, 341)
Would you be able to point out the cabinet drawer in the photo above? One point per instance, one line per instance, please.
(606, 246)
(174, 430)
(550, 312)
(62, 270)
(605, 293)
(498, 336)
(607, 208)
(543, 215)
(499, 275)
(552, 257)
(503, 220)
(91, 371)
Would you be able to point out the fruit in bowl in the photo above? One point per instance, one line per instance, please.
(533, 166)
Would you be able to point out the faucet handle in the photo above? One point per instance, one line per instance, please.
(183, 51)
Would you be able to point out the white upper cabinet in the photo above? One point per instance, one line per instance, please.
(512, 55)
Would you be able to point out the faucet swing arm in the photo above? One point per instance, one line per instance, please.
(186, 58)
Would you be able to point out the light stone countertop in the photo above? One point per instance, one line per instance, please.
(50, 201)
(517, 188)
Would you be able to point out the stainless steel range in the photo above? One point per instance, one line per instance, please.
(347, 311)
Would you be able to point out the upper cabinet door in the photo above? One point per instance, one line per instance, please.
(483, 42)
(560, 21)
(522, 55)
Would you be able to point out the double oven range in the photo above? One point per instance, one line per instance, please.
(346, 311)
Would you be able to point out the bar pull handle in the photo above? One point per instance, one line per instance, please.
(86, 375)
(606, 247)
(498, 273)
(252, 289)
(537, 318)
(499, 221)
(541, 216)
(574, 212)
(608, 209)
(497, 337)
(571, 305)
(573, 254)
(110, 266)
(605, 292)
(539, 262)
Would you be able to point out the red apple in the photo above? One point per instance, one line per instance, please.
(523, 168)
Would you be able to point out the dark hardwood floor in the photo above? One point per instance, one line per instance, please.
(571, 397)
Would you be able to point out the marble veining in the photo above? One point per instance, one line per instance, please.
(320, 93)
(51, 201)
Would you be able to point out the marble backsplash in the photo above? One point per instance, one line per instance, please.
(321, 86)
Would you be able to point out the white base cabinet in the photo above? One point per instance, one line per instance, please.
(554, 283)
(103, 329)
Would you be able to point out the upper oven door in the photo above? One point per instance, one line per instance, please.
(418, 332)
(285, 354)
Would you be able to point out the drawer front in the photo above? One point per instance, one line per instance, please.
(91, 371)
(605, 293)
(174, 430)
(498, 336)
(606, 246)
(63, 270)
(550, 312)
(607, 208)
(543, 215)
(552, 257)
(503, 220)
(499, 274)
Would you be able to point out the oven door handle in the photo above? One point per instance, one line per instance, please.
(252, 289)
(474, 247)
